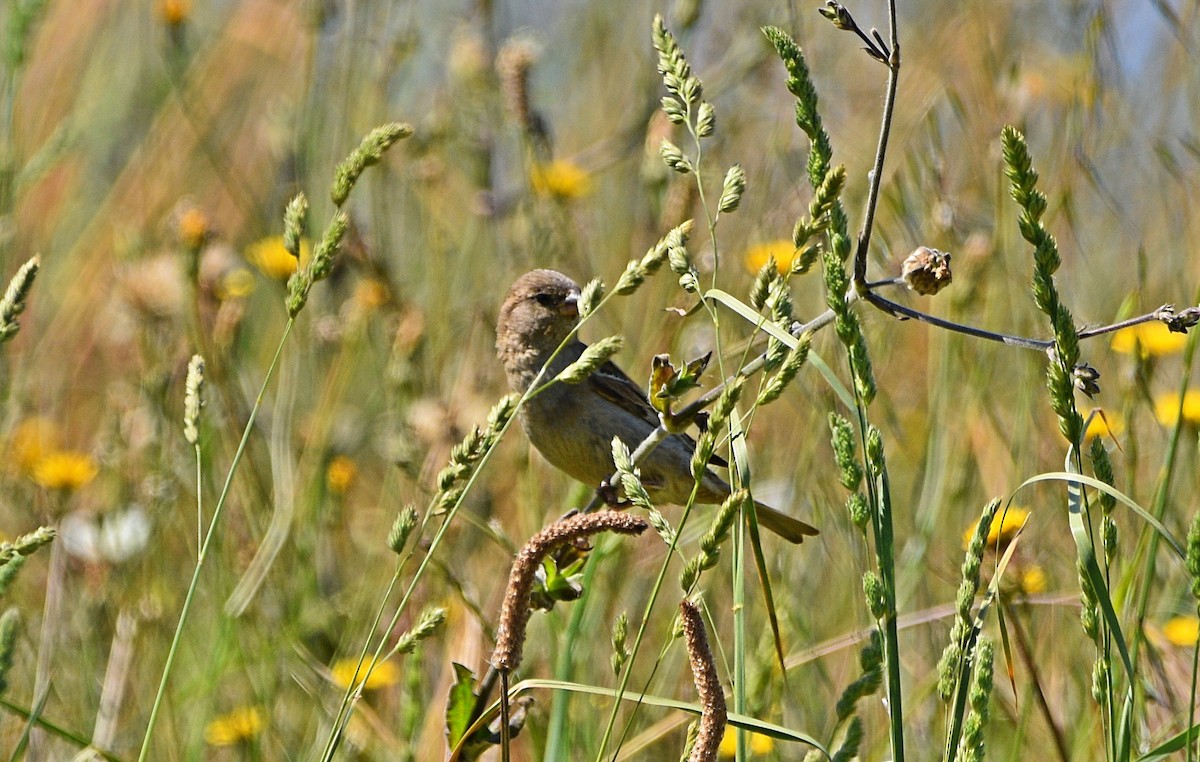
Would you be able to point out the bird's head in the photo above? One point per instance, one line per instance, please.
(541, 308)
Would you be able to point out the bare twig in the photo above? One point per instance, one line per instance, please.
(889, 108)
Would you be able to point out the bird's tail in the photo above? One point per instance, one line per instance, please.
(787, 527)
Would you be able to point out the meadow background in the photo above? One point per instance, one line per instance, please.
(139, 138)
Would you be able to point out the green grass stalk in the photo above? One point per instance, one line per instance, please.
(641, 631)
(208, 538)
(556, 737)
(1148, 560)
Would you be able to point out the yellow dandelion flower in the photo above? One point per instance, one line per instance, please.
(1167, 408)
(273, 260)
(1004, 527)
(193, 227)
(65, 470)
(340, 473)
(759, 744)
(238, 283)
(1033, 580)
(239, 726)
(1148, 339)
(1182, 631)
(174, 12)
(30, 441)
(385, 673)
(1109, 425)
(783, 251)
(560, 179)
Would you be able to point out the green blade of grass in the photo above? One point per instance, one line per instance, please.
(751, 724)
(1172, 745)
(1088, 481)
(748, 313)
(1087, 559)
(741, 461)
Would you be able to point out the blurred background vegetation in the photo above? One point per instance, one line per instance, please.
(134, 135)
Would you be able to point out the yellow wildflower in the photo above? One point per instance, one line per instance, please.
(238, 283)
(340, 473)
(174, 12)
(31, 440)
(273, 260)
(1033, 580)
(193, 227)
(239, 726)
(560, 179)
(1004, 527)
(1182, 630)
(1107, 426)
(759, 744)
(65, 470)
(783, 251)
(1149, 339)
(1166, 407)
(385, 673)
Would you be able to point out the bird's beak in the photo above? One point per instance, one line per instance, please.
(570, 305)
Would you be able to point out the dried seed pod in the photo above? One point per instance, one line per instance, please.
(926, 270)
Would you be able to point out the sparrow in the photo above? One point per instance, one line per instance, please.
(573, 425)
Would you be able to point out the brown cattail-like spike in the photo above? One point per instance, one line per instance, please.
(513, 64)
(708, 685)
(514, 615)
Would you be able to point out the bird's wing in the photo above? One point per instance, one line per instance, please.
(611, 383)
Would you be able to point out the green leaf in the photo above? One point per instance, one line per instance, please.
(562, 581)
(668, 383)
(460, 705)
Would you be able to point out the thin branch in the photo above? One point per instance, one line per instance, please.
(905, 313)
(1164, 314)
(889, 108)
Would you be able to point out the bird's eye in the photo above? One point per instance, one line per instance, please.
(547, 300)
